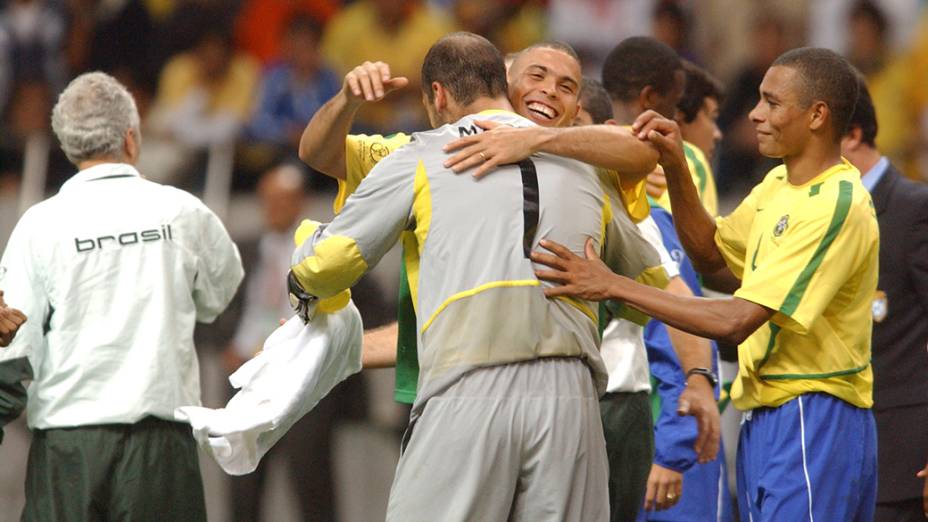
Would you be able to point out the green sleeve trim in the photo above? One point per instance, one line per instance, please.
(843, 205)
(790, 376)
(700, 168)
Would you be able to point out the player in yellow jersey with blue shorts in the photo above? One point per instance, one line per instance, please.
(805, 246)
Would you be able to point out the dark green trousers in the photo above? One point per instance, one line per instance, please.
(147, 471)
(629, 435)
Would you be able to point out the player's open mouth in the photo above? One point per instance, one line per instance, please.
(542, 111)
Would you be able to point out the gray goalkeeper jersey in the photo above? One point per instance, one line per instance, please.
(466, 243)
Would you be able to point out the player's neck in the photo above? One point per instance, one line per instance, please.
(625, 113)
(804, 167)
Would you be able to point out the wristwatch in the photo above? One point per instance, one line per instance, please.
(705, 372)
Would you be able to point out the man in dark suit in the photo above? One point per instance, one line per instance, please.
(900, 327)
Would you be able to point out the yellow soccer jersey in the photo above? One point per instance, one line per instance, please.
(635, 199)
(362, 152)
(810, 252)
(702, 177)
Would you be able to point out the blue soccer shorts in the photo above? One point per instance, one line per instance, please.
(810, 459)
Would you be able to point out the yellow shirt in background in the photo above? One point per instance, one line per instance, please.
(702, 177)
(235, 94)
(356, 34)
(810, 252)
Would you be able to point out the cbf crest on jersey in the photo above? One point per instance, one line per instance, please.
(880, 306)
(781, 226)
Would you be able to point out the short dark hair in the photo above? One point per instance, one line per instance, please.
(864, 116)
(637, 62)
(595, 100)
(466, 64)
(826, 76)
(869, 10)
(699, 86)
(557, 45)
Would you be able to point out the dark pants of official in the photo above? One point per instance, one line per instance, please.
(147, 471)
(629, 431)
(902, 451)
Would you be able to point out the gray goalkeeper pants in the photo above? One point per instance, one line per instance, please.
(520, 441)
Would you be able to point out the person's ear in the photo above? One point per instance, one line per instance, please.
(132, 146)
(439, 97)
(853, 139)
(819, 114)
(648, 98)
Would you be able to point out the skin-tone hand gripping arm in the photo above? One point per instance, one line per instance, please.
(694, 225)
(606, 146)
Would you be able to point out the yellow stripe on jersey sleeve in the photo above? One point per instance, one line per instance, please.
(335, 265)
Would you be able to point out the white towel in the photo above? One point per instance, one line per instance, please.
(300, 364)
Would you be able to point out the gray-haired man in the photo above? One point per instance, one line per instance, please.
(113, 272)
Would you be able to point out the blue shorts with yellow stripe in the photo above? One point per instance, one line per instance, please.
(810, 459)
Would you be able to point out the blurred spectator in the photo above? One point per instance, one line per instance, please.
(593, 27)
(739, 163)
(887, 76)
(294, 89)
(398, 32)
(671, 26)
(306, 450)
(31, 37)
(30, 105)
(261, 25)
(95, 27)
(511, 25)
(204, 98)
(919, 95)
(698, 110)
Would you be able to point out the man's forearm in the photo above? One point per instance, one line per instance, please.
(606, 146)
(730, 320)
(322, 145)
(692, 351)
(379, 350)
(695, 227)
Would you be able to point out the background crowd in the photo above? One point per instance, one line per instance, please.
(226, 87)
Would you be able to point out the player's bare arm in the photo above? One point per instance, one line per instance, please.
(730, 320)
(322, 145)
(10, 321)
(694, 225)
(379, 347)
(607, 146)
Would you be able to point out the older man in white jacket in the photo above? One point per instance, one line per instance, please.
(112, 272)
